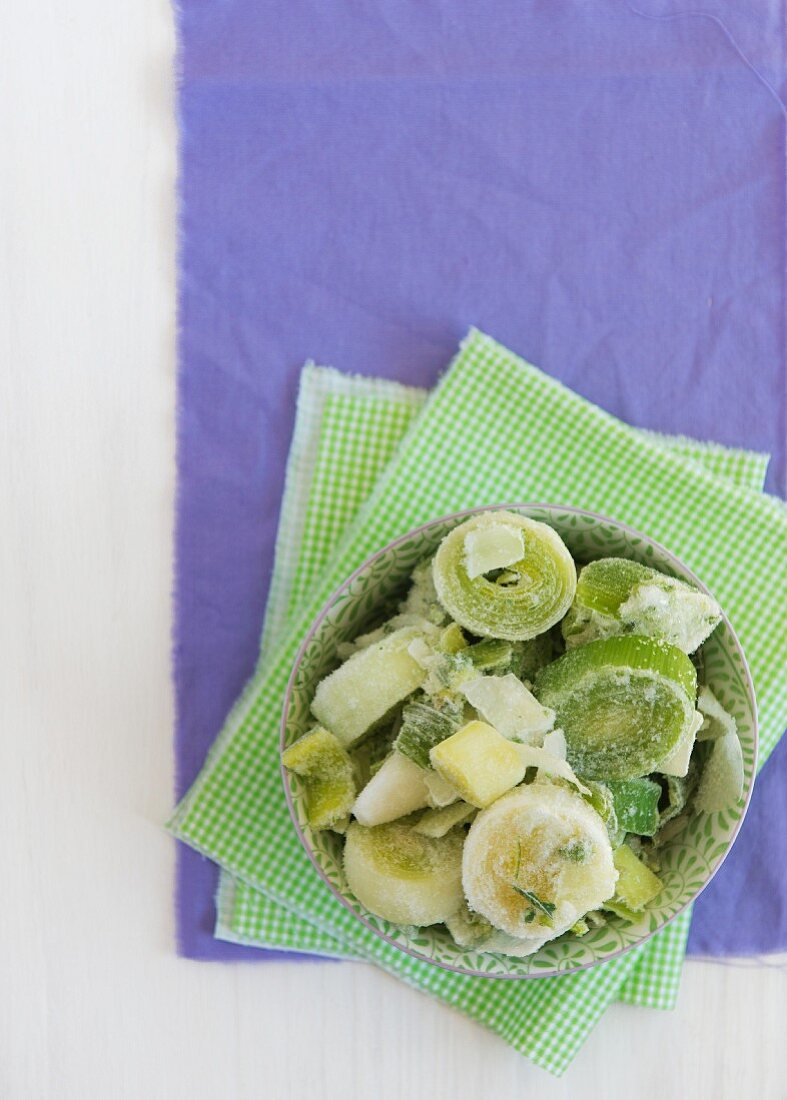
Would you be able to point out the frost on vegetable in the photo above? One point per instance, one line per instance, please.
(536, 591)
(506, 704)
(536, 861)
(397, 789)
(354, 698)
(492, 546)
(549, 763)
(424, 726)
(421, 599)
(721, 783)
(615, 596)
(403, 876)
(716, 720)
(623, 703)
(326, 774)
(441, 792)
(479, 762)
(469, 929)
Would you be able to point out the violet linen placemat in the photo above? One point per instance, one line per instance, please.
(347, 429)
(604, 191)
(495, 428)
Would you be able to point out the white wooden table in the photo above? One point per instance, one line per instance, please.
(93, 1001)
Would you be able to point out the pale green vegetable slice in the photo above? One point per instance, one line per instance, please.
(441, 792)
(354, 698)
(623, 703)
(402, 876)
(617, 596)
(506, 704)
(326, 774)
(550, 763)
(536, 861)
(636, 885)
(716, 720)
(452, 639)
(439, 822)
(479, 762)
(397, 789)
(544, 589)
(721, 783)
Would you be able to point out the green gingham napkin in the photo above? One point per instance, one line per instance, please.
(347, 429)
(496, 429)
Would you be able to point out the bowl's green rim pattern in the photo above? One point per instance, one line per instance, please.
(562, 955)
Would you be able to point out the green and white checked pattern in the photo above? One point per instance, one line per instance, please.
(332, 460)
(496, 429)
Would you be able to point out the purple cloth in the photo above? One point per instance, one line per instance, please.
(361, 182)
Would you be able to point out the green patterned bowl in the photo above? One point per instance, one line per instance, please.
(690, 859)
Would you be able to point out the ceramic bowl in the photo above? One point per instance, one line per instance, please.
(690, 858)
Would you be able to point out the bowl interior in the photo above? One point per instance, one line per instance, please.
(689, 858)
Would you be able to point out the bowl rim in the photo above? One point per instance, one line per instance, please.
(458, 517)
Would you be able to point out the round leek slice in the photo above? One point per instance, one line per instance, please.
(403, 876)
(536, 590)
(624, 704)
(535, 861)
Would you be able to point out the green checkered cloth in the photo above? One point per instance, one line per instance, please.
(346, 431)
(469, 446)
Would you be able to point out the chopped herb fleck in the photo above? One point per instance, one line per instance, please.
(544, 908)
(575, 851)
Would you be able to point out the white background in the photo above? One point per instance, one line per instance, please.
(93, 1001)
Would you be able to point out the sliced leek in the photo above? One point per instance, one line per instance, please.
(616, 596)
(403, 876)
(520, 870)
(623, 703)
(541, 595)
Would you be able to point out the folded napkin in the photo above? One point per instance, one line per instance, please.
(495, 429)
(346, 430)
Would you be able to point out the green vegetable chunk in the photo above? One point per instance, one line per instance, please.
(362, 691)
(490, 653)
(636, 885)
(615, 596)
(636, 804)
(540, 593)
(423, 727)
(327, 776)
(623, 703)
